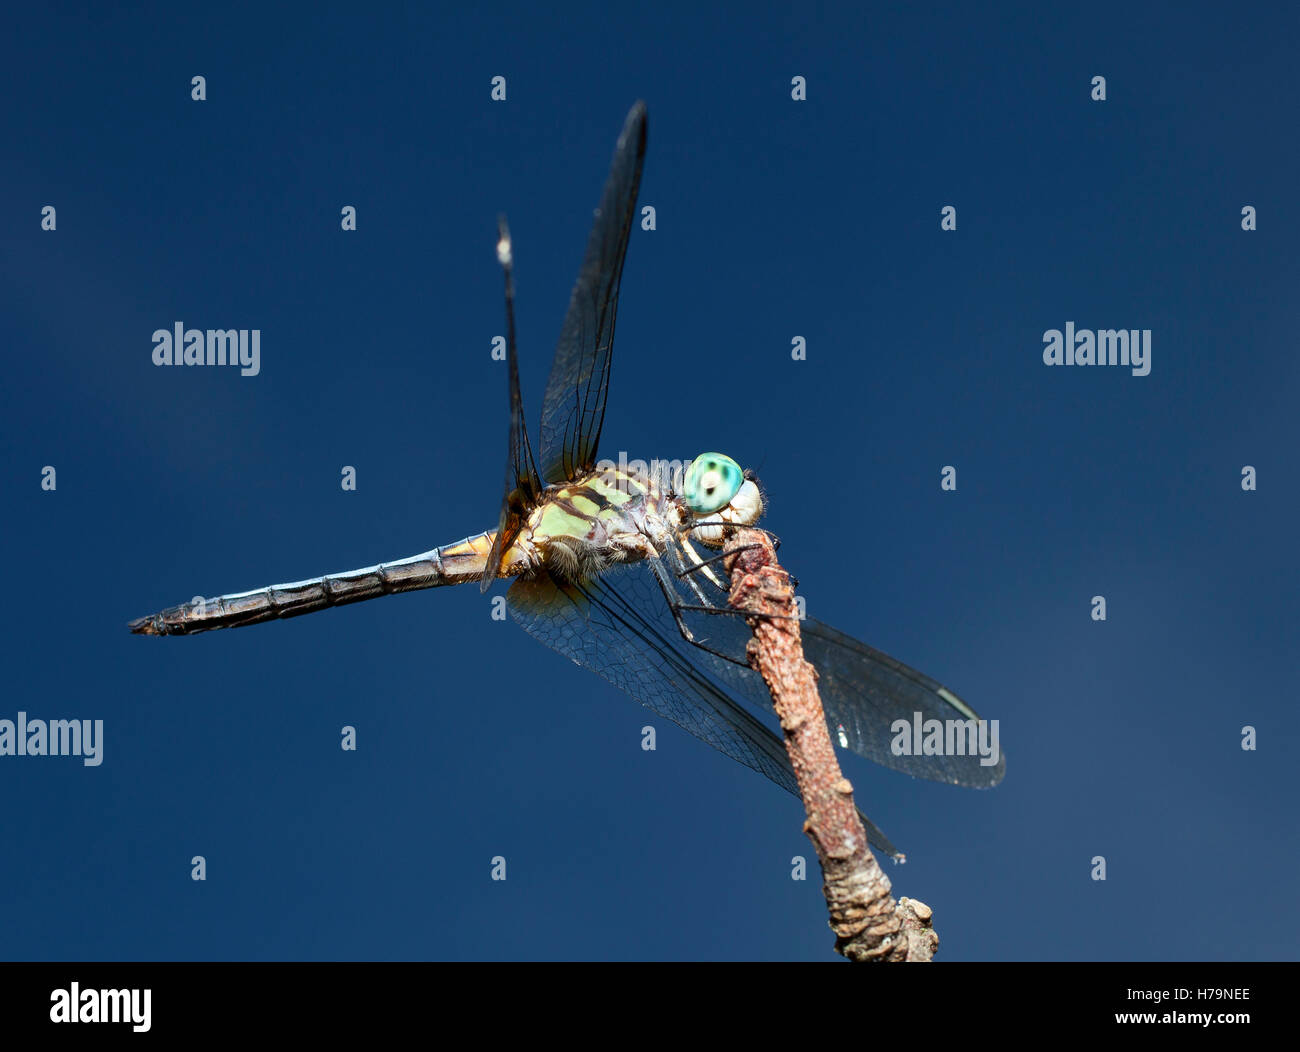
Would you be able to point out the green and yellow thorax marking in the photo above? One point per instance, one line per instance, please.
(580, 509)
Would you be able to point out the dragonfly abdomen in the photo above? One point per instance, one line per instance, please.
(451, 564)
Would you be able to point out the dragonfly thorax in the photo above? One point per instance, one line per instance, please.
(614, 515)
(580, 529)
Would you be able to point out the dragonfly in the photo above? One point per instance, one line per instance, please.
(615, 566)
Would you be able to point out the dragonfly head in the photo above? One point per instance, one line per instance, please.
(716, 491)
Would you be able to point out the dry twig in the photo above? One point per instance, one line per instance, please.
(868, 924)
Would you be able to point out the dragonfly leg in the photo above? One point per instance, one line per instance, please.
(776, 541)
(700, 564)
(676, 606)
(735, 613)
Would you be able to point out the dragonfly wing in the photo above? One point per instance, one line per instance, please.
(617, 627)
(574, 407)
(863, 690)
(522, 486)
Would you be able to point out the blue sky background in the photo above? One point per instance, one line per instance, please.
(775, 219)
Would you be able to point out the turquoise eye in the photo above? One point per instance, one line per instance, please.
(710, 483)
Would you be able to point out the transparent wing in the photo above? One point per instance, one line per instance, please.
(620, 628)
(863, 690)
(574, 407)
(522, 485)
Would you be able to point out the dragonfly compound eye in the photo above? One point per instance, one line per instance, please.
(711, 482)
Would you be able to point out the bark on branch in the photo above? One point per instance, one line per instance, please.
(868, 924)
